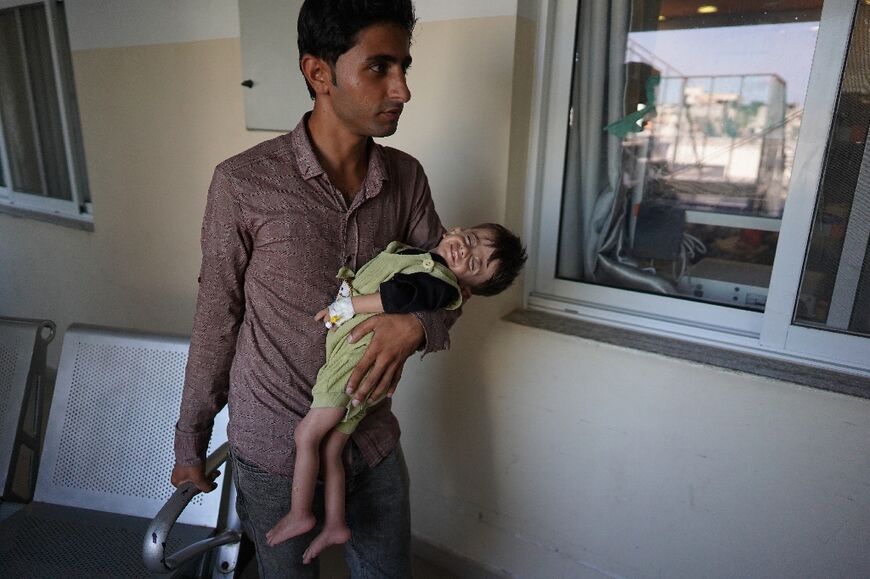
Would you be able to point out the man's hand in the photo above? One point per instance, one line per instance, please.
(194, 474)
(396, 336)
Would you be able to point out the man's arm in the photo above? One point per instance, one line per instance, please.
(220, 308)
(397, 336)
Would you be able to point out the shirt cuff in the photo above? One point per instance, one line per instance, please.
(190, 447)
(435, 336)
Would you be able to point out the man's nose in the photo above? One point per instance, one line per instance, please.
(399, 89)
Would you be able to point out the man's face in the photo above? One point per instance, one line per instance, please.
(370, 89)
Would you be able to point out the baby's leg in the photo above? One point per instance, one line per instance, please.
(335, 530)
(309, 433)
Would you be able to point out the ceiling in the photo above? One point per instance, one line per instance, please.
(689, 8)
(676, 14)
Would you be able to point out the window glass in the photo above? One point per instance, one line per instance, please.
(835, 286)
(681, 137)
(18, 122)
(31, 113)
(34, 28)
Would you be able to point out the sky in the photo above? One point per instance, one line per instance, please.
(783, 49)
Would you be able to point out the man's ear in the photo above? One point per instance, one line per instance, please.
(317, 72)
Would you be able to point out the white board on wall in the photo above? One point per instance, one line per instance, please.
(277, 97)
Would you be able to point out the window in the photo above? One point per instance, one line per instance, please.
(41, 157)
(704, 172)
(835, 285)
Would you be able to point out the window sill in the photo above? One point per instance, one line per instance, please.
(805, 375)
(84, 223)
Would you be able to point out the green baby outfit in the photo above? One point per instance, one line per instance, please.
(341, 356)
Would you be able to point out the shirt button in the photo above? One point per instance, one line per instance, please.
(428, 264)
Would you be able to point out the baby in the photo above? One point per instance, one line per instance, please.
(482, 260)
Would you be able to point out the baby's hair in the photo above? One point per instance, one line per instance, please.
(510, 254)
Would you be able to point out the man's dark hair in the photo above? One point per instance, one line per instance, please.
(510, 254)
(329, 28)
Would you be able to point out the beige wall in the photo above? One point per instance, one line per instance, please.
(550, 456)
(156, 120)
(531, 452)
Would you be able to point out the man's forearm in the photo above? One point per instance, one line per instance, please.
(205, 394)
(219, 314)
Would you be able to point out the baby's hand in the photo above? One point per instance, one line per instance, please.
(323, 316)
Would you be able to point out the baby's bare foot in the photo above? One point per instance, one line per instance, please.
(330, 535)
(289, 527)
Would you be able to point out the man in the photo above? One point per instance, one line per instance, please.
(280, 220)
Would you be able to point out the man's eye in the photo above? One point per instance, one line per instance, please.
(379, 68)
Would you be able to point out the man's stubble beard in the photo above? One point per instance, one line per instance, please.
(389, 131)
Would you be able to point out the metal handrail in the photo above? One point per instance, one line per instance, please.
(157, 535)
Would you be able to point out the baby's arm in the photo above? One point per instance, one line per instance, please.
(399, 295)
(368, 304)
(344, 309)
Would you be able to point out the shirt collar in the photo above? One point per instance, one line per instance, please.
(309, 167)
(306, 160)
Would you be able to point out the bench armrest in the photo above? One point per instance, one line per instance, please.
(157, 535)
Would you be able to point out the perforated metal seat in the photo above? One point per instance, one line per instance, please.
(23, 388)
(106, 461)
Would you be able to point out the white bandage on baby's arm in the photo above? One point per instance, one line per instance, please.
(344, 290)
(340, 311)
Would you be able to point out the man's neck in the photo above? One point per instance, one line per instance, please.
(342, 154)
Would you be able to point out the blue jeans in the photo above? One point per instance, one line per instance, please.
(378, 514)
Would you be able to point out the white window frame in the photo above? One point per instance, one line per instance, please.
(79, 208)
(770, 333)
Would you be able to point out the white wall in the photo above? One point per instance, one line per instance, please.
(531, 452)
(115, 23)
(549, 456)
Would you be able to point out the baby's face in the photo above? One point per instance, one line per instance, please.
(468, 253)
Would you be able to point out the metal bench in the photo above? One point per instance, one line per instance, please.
(105, 470)
(23, 390)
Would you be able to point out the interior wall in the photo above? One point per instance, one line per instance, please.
(533, 453)
(544, 456)
(156, 119)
